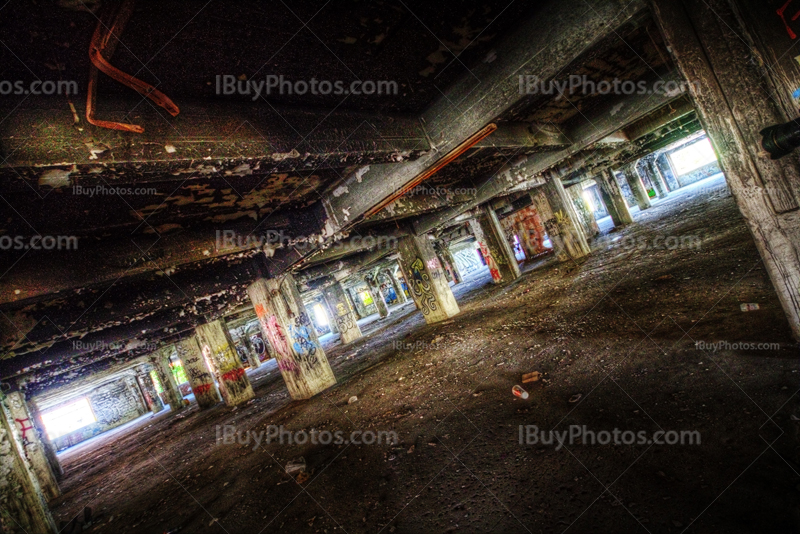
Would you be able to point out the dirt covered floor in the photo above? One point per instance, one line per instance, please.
(620, 330)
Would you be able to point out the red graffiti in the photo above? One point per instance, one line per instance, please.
(23, 427)
(288, 366)
(233, 375)
(275, 335)
(780, 12)
(202, 389)
(490, 263)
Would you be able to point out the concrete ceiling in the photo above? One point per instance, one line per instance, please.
(148, 266)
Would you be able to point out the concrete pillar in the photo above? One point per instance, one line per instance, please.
(356, 302)
(664, 164)
(285, 323)
(343, 314)
(655, 176)
(735, 99)
(637, 186)
(252, 357)
(613, 198)
(160, 361)
(565, 232)
(377, 296)
(494, 246)
(450, 264)
(398, 287)
(23, 507)
(148, 389)
(585, 215)
(216, 343)
(425, 279)
(199, 374)
(32, 446)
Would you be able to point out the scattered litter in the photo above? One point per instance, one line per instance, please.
(352, 399)
(531, 377)
(297, 465)
(519, 392)
(748, 307)
(575, 398)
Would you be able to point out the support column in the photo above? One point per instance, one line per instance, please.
(285, 323)
(426, 280)
(148, 389)
(23, 507)
(736, 98)
(215, 340)
(566, 234)
(398, 289)
(637, 186)
(32, 445)
(252, 357)
(613, 198)
(342, 313)
(197, 371)
(377, 296)
(585, 215)
(356, 303)
(450, 264)
(160, 361)
(494, 246)
(655, 176)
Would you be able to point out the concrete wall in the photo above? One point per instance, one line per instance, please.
(113, 404)
(699, 174)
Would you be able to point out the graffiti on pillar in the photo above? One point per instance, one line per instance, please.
(288, 366)
(274, 331)
(197, 375)
(259, 346)
(23, 427)
(490, 261)
(781, 13)
(304, 346)
(344, 319)
(421, 287)
(235, 381)
(202, 389)
(241, 350)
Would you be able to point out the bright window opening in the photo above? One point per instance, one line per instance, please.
(68, 418)
(366, 298)
(693, 157)
(320, 315)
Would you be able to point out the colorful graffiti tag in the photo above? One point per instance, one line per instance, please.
(421, 287)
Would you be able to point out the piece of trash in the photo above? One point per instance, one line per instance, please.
(519, 392)
(352, 399)
(302, 477)
(531, 377)
(575, 398)
(748, 307)
(296, 466)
